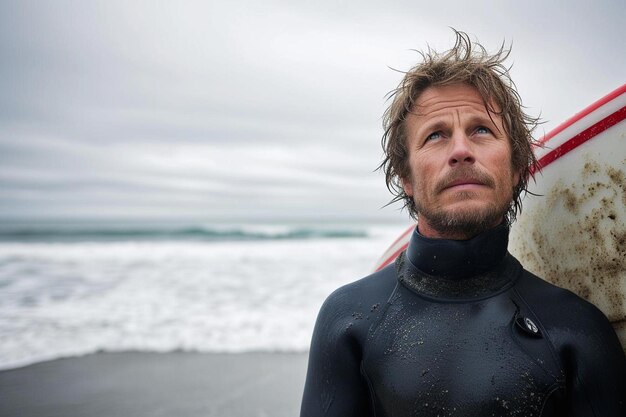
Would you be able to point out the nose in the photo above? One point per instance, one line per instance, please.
(461, 152)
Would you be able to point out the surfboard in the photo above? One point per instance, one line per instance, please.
(572, 232)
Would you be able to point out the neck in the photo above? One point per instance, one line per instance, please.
(458, 258)
(458, 269)
(460, 232)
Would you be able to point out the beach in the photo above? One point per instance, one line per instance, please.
(84, 309)
(157, 384)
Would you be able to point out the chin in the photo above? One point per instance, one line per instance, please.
(469, 209)
(467, 219)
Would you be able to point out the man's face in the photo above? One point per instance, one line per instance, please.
(461, 177)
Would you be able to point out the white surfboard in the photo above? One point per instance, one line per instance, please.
(574, 233)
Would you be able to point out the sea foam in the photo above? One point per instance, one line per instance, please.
(67, 298)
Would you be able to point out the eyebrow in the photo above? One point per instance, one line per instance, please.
(425, 129)
(438, 125)
(480, 119)
(442, 124)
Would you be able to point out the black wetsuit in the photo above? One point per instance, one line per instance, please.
(459, 328)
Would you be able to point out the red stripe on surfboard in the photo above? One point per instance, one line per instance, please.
(406, 232)
(585, 112)
(397, 252)
(582, 137)
(392, 256)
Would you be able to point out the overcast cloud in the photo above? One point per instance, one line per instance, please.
(250, 110)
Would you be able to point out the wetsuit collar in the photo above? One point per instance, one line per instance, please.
(458, 258)
(458, 270)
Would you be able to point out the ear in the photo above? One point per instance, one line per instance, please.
(407, 186)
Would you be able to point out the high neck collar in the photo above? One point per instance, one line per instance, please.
(457, 259)
(458, 269)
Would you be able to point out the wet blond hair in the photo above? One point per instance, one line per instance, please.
(466, 63)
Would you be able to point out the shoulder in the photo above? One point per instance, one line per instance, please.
(555, 301)
(352, 308)
(372, 288)
(547, 296)
(570, 319)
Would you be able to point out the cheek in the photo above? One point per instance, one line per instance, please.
(409, 181)
(503, 162)
(407, 186)
(509, 179)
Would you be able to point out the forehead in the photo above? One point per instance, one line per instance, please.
(438, 100)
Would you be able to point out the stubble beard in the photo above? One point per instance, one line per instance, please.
(463, 223)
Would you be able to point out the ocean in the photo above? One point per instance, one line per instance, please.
(72, 288)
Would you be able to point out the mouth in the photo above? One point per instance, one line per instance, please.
(464, 183)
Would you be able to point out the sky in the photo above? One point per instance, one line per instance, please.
(252, 111)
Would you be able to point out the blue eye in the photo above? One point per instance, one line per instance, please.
(432, 136)
(482, 129)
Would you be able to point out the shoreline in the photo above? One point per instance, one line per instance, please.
(157, 384)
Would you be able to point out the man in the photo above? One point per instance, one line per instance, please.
(457, 327)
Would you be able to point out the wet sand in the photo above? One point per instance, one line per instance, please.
(157, 384)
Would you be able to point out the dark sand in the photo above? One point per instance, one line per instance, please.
(157, 384)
